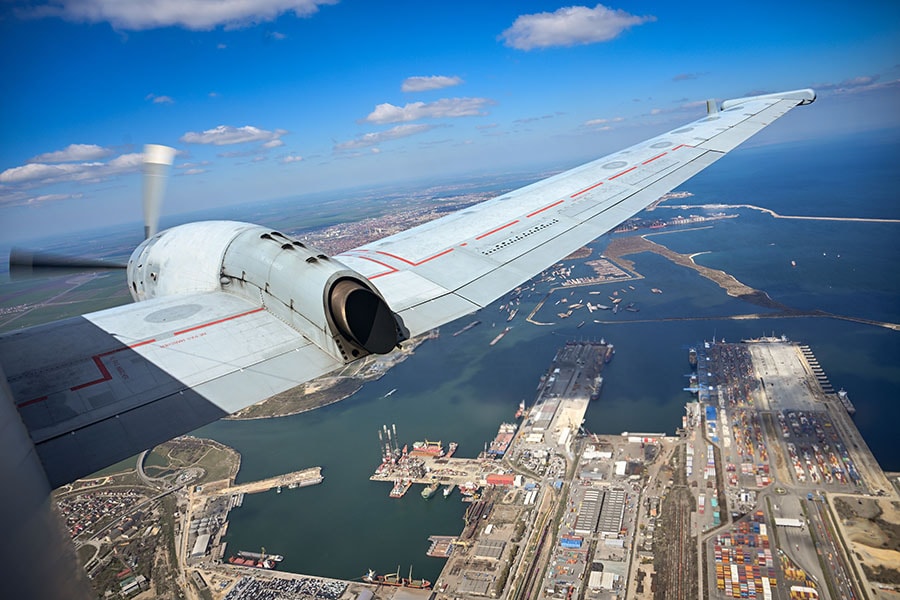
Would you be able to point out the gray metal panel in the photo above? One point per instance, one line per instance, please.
(95, 389)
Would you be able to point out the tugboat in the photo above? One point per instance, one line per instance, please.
(521, 410)
(448, 489)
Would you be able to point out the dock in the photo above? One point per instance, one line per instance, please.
(306, 477)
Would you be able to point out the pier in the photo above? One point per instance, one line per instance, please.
(311, 476)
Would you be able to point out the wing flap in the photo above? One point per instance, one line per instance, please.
(136, 375)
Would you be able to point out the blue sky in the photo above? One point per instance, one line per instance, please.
(275, 98)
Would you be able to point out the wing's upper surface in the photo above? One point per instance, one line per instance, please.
(449, 267)
(98, 388)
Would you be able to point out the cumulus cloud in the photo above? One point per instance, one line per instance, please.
(291, 158)
(225, 135)
(600, 122)
(424, 84)
(159, 99)
(444, 108)
(72, 153)
(570, 26)
(34, 174)
(20, 198)
(273, 144)
(375, 138)
(856, 85)
(190, 14)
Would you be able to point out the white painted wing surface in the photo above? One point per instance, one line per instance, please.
(95, 389)
(452, 266)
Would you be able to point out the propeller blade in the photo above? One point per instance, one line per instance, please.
(157, 160)
(25, 264)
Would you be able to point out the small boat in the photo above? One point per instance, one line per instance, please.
(448, 489)
(429, 490)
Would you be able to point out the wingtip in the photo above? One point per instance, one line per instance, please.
(803, 96)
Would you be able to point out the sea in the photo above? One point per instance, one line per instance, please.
(460, 388)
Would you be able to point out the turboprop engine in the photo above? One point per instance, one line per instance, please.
(331, 305)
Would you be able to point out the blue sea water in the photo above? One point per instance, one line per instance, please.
(461, 388)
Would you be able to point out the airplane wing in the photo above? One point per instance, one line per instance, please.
(452, 266)
(98, 388)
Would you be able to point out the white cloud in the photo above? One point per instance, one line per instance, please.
(291, 158)
(19, 198)
(372, 139)
(221, 46)
(34, 174)
(444, 108)
(570, 26)
(194, 171)
(424, 84)
(273, 144)
(596, 122)
(190, 14)
(225, 135)
(159, 99)
(72, 153)
(856, 85)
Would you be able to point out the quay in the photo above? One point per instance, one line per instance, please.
(306, 477)
(766, 471)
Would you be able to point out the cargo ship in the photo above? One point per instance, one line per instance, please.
(255, 560)
(610, 351)
(394, 579)
(500, 336)
(521, 412)
(429, 490)
(427, 448)
(401, 486)
(692, 358)
(845, 400)
(466, 328)
(501, 441)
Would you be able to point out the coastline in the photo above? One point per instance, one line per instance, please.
(330, 389)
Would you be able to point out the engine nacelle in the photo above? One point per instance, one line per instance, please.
(333, 306)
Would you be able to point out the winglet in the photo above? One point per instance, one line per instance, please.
(711, 106)
(806, 96)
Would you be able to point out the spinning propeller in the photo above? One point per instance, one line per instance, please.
(157, 160)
